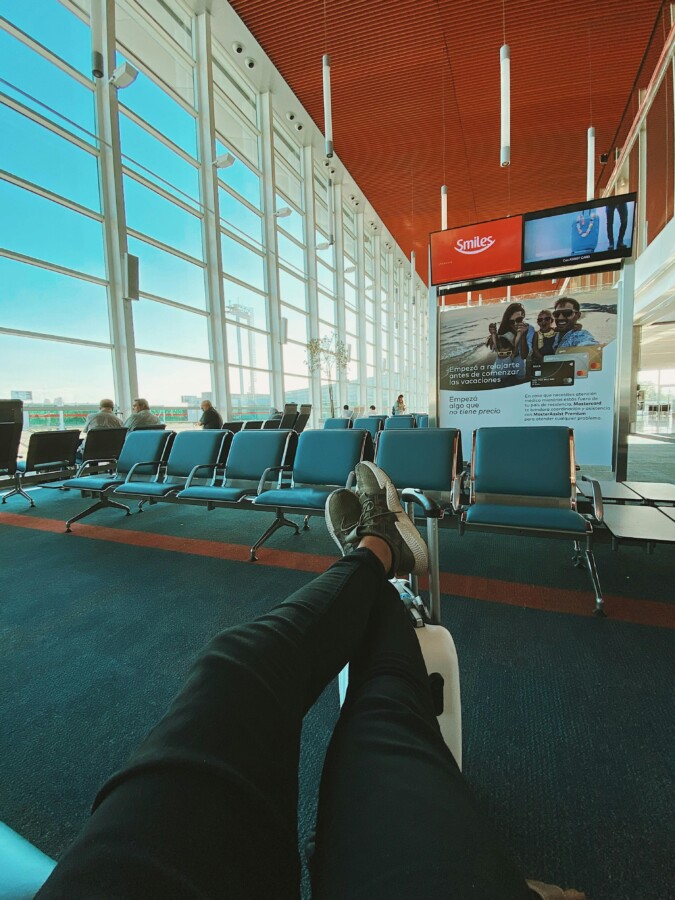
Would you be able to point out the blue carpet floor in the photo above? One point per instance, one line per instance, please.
(568, 720)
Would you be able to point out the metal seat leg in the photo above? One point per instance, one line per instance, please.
(278, 523)
(593, 572)
(102, 503)
(17, 489)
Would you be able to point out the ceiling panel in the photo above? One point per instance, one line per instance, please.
(415, 96)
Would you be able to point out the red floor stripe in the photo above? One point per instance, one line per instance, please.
(624, 609)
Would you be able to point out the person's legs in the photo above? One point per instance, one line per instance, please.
(623, 220)
(207, 806)
(609, 215)
(396, 819)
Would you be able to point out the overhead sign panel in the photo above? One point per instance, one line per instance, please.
(477, 251)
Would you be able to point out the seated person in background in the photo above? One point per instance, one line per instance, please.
(141, 415)
(275, 414)
(569, 333)
(104, 418)
(211, 418)
(346, 412)
(542, 342)
(372, 410)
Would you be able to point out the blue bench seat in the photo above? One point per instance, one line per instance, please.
(533, 518)
(299, 497)
(215, 493)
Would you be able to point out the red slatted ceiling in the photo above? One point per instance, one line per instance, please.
(400, 69)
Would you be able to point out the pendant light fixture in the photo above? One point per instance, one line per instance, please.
(444, 207)
(590, 137)
(590, 165)
(327, 113)
(505, 71)
(505, 96)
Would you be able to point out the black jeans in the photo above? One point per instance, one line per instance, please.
(207, 806)
(622, 209)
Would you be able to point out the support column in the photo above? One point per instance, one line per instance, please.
(271, 267)
(626, 374)
(112, 206)
(389, 401)
(361, 301)
(432, 338)
(377, 301)
(340, 288)
(312, 287)
(208, 175)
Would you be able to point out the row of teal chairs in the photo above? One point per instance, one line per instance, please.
(288, 474)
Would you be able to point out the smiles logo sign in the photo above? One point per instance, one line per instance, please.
(474, 245)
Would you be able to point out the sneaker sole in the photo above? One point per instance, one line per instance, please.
(331, 531)
(409, 533)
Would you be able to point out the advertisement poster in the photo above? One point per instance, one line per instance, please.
(532, 363)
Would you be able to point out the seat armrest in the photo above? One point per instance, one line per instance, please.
(431, 509)
(456, 498)
(266, 474)
(209, 467)
(350, 480)
(153, 464)
(598, 509)
(94, 462)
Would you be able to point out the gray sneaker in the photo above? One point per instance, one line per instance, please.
(383, 516)
(343, 511)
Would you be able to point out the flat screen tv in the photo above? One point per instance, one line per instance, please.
(583, 233)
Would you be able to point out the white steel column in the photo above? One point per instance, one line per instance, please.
(361, 305)
(112, 206)
(626, 378)
(388, 402)
(312, 287)
(340, 285)
(271, 267)
(211, 225)
(433, 352)
(377, 320)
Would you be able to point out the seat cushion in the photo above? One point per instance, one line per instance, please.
(299, 497)
(93, 482)
(146, 489)
(208, 492)
(539, 518)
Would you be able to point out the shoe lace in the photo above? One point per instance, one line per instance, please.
(372, 509)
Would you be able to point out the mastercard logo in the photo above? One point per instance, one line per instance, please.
(595, 365)
(581, 372)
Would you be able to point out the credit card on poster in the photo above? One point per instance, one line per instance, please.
(594, 352)
(553, 374)
(580, 363)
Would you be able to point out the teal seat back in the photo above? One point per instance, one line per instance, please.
(327, 457)
(336, 424)
(423, 421)
(530, 461)
(374, 426)
(254, 451)
(427, 458)
(142, 446)
(399, 422)
(194, 448)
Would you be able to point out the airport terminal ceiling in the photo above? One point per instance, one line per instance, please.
(415, 96)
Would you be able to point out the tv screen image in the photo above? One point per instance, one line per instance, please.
(586, 232)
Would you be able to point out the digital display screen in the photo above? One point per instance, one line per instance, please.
(476, 251)
(584, 233)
